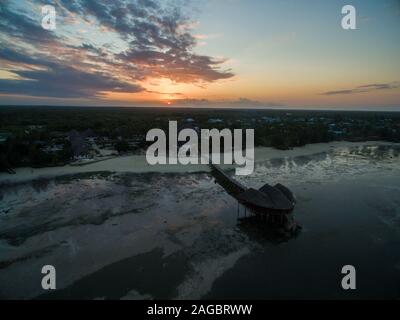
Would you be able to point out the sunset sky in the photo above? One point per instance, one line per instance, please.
(224, 53)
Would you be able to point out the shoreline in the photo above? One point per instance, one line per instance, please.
(138, 163)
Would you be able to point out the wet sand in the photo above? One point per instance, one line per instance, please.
(138, 163)
(175, 235)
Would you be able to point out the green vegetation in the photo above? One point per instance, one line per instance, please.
(38, 136)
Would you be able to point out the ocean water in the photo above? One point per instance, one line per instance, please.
(176, 235)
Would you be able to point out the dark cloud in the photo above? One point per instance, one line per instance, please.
(19, 57)
(381, 86)
(160, 43)
(365, 88)
(56, 80)
(65, 83)
(177, 65)
(156, 34)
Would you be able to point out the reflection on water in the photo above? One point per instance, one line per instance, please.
(96, 228)
(266, 234)
(381, 152)
(324, 167)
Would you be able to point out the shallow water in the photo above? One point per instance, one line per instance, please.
(149, 235)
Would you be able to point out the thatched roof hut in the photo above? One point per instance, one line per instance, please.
(268, 199)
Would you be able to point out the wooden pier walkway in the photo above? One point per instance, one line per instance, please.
(231, 186)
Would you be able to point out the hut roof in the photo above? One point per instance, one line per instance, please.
(276, 198)
(286, 192)
(267, 197)
(256, 197)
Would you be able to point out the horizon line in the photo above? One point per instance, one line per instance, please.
(260, 108)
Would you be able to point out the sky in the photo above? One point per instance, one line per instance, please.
(209, 53)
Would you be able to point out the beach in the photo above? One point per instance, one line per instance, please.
(138, 163)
